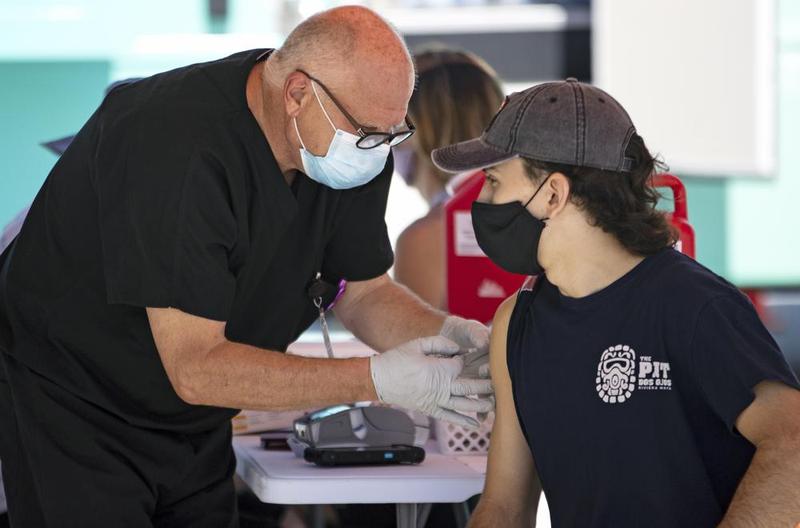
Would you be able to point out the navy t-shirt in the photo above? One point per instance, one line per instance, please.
(628, 397)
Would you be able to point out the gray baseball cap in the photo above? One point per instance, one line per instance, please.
(567, 122)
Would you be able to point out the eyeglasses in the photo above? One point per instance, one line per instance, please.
(369, 137)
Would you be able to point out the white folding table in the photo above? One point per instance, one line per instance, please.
(279, 477)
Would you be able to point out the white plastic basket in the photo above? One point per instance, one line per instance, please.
(456, 440)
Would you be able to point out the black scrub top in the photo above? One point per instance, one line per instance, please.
(170, 196)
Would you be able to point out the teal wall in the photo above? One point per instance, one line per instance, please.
(40, 101)
(56, 59)
(707, 203)
(707, 208)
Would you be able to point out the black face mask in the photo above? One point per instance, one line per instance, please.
(509, 234)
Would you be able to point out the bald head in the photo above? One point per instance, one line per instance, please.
(365, 68)
(344, 44)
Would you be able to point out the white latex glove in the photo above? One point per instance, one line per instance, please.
(473, 337)
(409, 376)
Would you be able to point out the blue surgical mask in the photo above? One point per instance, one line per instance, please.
(345, 165)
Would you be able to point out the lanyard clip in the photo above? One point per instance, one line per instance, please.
(326, 336)
(316, 291)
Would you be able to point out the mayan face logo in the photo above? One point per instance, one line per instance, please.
(616, 374)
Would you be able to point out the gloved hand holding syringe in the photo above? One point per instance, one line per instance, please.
(426, 375)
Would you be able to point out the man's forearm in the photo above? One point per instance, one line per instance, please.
(769, 493)
(389, 315)
(246, 377)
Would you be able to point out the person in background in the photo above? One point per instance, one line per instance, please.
(457, 94)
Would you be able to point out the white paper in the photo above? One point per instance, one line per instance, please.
(466, 245)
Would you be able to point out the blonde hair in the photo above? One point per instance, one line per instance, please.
(456, 96)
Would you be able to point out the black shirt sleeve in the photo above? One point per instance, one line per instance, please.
(731, 353)
(167, 226)
(360, 249)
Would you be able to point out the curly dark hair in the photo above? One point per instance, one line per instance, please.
(620, 203)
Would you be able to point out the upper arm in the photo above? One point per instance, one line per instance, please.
(774, 416)
(511, 478)
(182, 341)
(345, 307)
(419, 260)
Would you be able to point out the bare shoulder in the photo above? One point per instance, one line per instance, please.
(503, 313)
(497, 347)
(423, 233)
(420, 259)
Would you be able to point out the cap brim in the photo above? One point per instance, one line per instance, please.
(58, 146)
(469, 155)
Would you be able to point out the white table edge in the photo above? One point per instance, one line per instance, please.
(369, 491)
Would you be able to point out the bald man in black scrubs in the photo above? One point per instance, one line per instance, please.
(185, 238)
